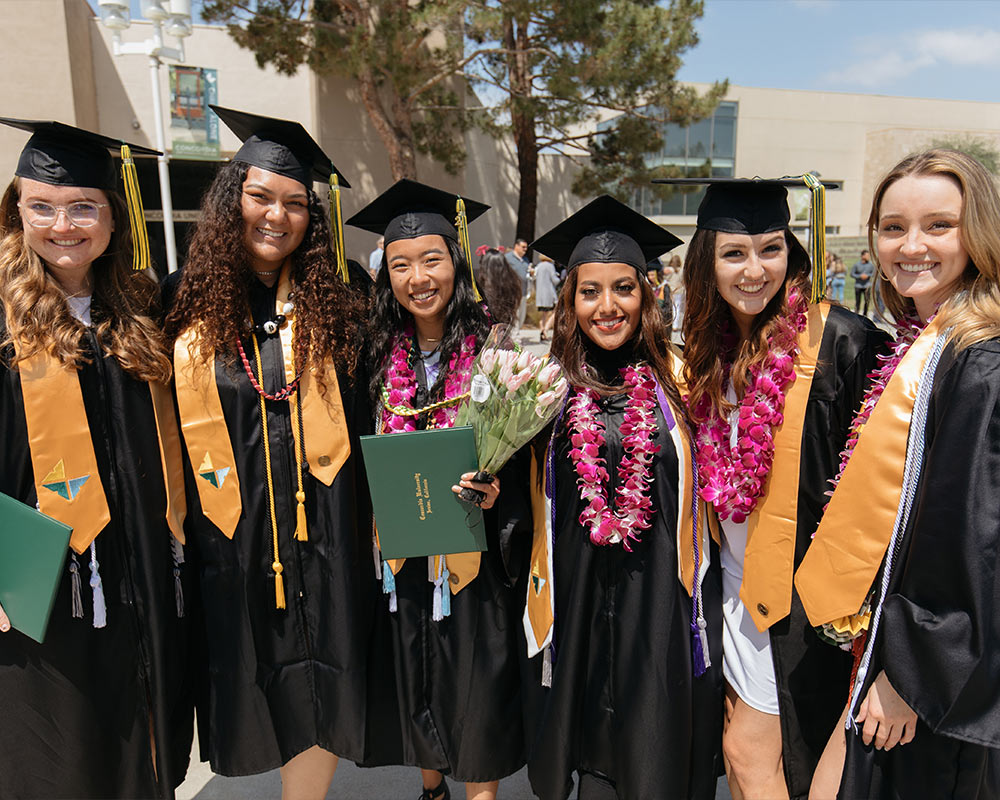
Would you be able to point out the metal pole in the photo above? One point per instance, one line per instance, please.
(163, 167)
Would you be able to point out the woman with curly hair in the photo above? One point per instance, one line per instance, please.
(455, 618)
(772, 384)
(906, 559)
(620, 561)
(271, 404)
(102, 707)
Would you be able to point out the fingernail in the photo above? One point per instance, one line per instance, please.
(5, 627)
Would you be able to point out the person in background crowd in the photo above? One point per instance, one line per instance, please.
(546, 294)
(271, 400)
(905, 563)
(838, 279)
(104, 706)
(773, 382)
(862, 273)
(499, 285)
(516, 257)
(375, 259)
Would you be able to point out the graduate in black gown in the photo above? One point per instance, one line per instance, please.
(635, 699)
(923, 555)
(103, 708)
(272, 401)
(458, 652)
(773, 376)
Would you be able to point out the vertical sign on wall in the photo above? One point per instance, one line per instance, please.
(194, 127)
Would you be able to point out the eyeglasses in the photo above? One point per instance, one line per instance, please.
(44, 215)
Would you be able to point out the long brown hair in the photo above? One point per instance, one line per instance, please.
(124, 307)
(707, 316)
(214, 288)
(973, 310)
(651, 342)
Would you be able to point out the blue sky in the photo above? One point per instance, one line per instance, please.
(916, 48)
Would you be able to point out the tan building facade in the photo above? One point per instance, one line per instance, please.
(58, 63)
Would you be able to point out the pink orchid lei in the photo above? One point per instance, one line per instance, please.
(907, 331)
(633, 507)
(400, 387)
(734, 480)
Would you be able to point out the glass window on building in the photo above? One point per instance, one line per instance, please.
(704, 148)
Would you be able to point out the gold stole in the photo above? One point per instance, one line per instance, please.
(67, 480)
(840, 566)
(206, 436)
(769, 560)
(539, 611)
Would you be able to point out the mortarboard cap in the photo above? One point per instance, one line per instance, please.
(409, 209)
(284, 147)
(757, 205)
(279, 145)
(606, 231)
(62, 155)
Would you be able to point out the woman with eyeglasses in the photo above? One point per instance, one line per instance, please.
(101, 707)
(263, 324)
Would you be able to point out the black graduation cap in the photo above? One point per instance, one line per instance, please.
(606, 231)
(744, 205)
(62, 155)
(409, 209)
(760, 205)
(280, 146)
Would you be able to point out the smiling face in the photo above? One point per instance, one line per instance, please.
(749, 272)
(608, 303)
(919, 243)
(67, 250)
(422, 276)
(275, 216)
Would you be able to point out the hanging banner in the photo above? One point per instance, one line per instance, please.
(194, 127)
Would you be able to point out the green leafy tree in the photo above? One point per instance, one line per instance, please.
(406, 57)
(558, 69)
(983, 150)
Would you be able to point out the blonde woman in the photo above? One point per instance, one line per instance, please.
(912, 534)
(99, 709)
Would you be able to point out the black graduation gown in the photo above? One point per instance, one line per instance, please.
(282, 681)
(624, 703)
(77, 712)
(813, 676)
(460, 680)
(939, 637)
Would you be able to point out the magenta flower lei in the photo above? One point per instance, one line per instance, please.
(400, 386)
(633, 508)
(907, 331)
(734, 480)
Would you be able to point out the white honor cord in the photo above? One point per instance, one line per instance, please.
(911, 476)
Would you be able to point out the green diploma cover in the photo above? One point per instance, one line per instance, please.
(32, 553)
(410, 476)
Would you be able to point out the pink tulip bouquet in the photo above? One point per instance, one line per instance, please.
(514, 394)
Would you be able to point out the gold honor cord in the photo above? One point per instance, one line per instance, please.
(337, 228)
(403, 411)
(137, 222)
(462, 223)
(817, 235)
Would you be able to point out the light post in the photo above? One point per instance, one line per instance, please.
(175, 16)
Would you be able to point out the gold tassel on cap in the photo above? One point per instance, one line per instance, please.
(462, 223)
(337, 228)
(817, 235)
(137, 222)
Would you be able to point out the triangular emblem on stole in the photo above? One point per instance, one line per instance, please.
(67, 488)
(214, 476)
(538, 582)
